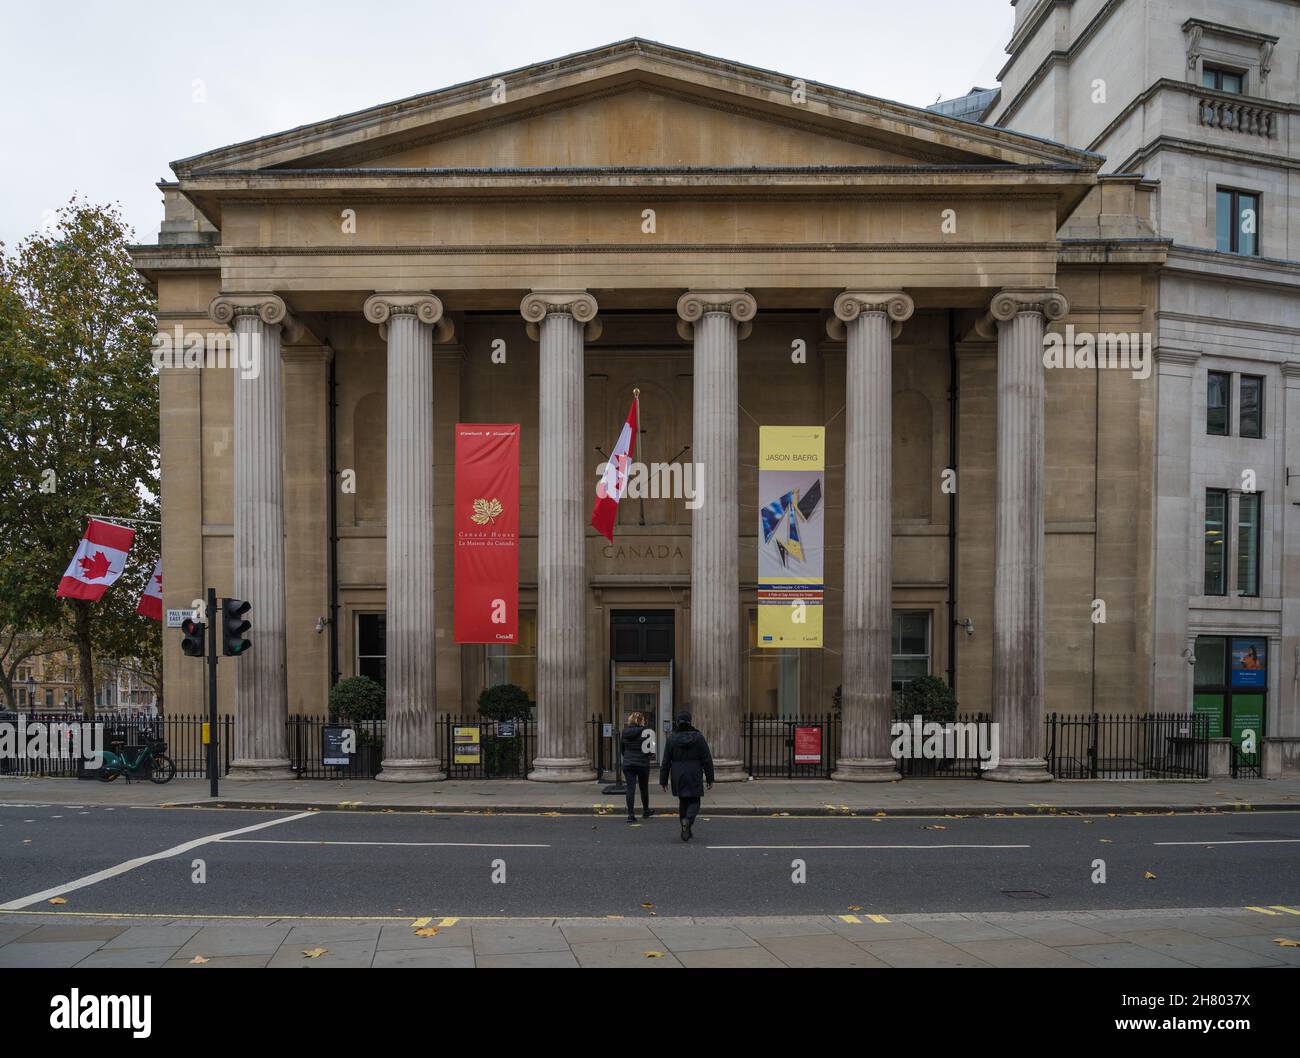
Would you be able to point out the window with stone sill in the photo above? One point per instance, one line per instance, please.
(1216, 542)
(516, 662)
(1249, 505)
(1251, 406)
(1222, 79)
(1237, 221)
(372, 649)
(1218, 400)
(911, 647)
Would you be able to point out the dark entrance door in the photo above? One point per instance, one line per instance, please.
(641, 663)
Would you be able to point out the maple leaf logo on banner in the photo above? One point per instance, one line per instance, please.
(94, 567)
(487, 511)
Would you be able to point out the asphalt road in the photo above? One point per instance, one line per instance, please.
(361, 863)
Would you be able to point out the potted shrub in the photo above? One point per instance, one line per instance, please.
(504, 702)
(359, 702)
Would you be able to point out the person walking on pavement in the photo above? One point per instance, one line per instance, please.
(637, 743)
(686, 758)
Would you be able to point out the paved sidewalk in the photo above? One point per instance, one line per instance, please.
(760, 797)
(1198, 937)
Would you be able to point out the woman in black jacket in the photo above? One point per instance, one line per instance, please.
(637, 743)
(687, 759)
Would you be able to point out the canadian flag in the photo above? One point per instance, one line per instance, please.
(612, 484)
(151, 597)
(99, 561)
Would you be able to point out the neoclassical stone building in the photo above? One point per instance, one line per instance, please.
(743, 247)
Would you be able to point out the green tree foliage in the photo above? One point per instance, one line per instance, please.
(78, 429)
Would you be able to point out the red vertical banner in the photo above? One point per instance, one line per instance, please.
(486, 524)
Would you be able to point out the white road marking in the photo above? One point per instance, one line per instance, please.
(140, 861)
(412, 844)
(1243, 841)
(868, 846)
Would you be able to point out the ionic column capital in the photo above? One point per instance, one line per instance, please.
(538, 304)
(269, 308)
(694, 304)
(424, 305)
(1008, 304)
(850, 304)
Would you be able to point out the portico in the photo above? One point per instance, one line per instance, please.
(743, 256)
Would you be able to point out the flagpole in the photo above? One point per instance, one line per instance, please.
(115, 518)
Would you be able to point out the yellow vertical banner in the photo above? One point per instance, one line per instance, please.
(791, 535)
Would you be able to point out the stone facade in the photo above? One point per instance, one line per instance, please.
(709, 218)
(1233, 314)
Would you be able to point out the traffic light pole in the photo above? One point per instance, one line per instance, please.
(212, 692)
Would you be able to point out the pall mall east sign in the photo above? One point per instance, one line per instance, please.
(486, 525)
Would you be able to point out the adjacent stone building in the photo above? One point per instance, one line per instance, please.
(641, 217)
(1201, 100)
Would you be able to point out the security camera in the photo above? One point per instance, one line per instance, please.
(321, 622)
(967, 624)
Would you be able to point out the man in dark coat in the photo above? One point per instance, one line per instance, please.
(686, 758)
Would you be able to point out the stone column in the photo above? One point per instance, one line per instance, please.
(410, 744)
(869, 320)
(717, 320)
(561, 320)
(1018, 650)
(261, 699)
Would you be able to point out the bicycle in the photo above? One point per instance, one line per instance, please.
(152, 755)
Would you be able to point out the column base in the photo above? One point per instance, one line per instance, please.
(1019, 769)
(864, 769)
(247, 770)
(411, 771)
(562, 769)
(730, 771)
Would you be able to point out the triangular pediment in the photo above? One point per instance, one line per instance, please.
(635, 104)
(640, 125)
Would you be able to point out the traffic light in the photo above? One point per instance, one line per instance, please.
(194, 645)
(233, 627)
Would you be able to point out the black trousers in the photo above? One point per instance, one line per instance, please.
(688, 807)
(632, 776)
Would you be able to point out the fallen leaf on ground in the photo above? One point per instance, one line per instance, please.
(1147, 874)
(935, 827)
(58, 900)
(647, 905)
(428, 931)
(1105, 841)
(653, 954)
(855, 907)
(198, 960)
(1286, 942)
(316, 953)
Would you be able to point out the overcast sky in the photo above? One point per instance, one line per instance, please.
(99, 98)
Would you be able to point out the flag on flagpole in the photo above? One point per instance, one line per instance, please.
(151, 598)
(613, 483)
(99, 561)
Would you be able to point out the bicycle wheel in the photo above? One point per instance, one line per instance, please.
(162, 770)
